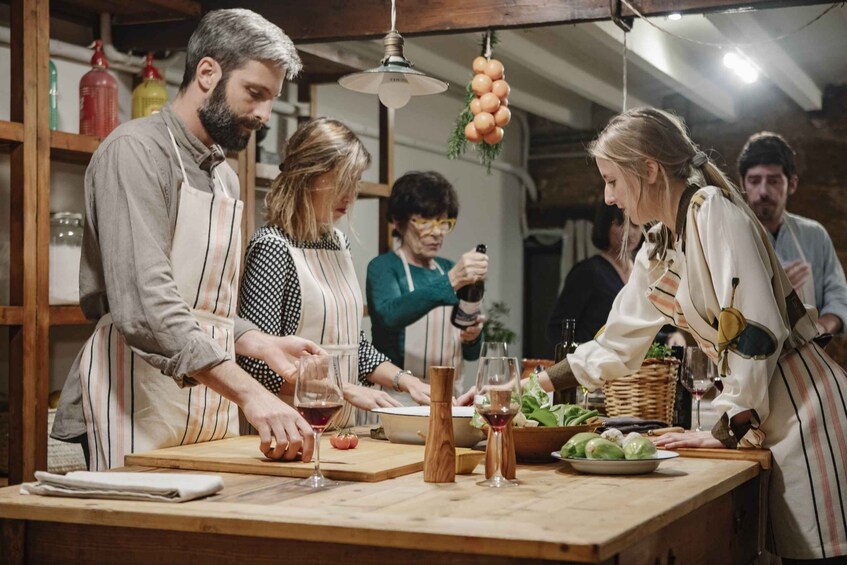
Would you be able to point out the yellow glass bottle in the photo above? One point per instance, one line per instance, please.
(149, 96)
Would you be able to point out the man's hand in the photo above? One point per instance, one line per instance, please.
(274, 419)
(368, 398)
(471, 334)
(688, 439)
(471, 267)
(280, 353)
(271, 417)
(798, 273)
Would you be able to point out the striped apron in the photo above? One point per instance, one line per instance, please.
(130, 406)
(331, 310)
(806, 431)
(431, 341)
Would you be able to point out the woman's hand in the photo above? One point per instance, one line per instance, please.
(467, 398)
(418, 390)
(676, 440)
(470, 268)
(368, 398)
(471, 334)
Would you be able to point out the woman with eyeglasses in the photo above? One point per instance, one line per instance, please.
(299, 277)
(411, 290)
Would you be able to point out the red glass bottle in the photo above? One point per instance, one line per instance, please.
(98, 97)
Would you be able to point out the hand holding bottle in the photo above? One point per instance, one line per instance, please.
(472, 267)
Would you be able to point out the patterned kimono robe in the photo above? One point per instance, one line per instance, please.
(721, 281)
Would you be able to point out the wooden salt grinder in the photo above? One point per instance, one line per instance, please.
(507, 454)
(440, 453)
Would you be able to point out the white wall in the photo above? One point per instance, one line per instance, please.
(489, 203)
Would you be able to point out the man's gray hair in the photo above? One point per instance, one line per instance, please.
(234, 37)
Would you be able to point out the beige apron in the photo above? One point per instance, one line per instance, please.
(431, 341)
(807, 291)
(331, 310)
(130, 406)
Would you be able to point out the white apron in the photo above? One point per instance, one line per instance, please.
(130, 406)
(331, 310)
(807, 291)
(431, 341)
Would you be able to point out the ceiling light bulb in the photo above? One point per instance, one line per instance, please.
(731, 60)
(394, 90)
(675, 17)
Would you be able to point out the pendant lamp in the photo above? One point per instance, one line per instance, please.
(394, 80)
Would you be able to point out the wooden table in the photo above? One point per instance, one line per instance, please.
(690, 511)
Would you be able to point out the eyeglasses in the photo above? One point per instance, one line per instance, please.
(426, 226)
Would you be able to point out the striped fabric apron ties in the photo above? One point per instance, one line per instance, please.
(331, 311)
(806, 432)
(431, 341)
(130, 406)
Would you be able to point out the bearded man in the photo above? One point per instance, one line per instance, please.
(160, 265)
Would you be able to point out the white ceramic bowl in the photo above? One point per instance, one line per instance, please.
(410, 424)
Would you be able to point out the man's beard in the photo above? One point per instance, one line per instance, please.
(222, 124)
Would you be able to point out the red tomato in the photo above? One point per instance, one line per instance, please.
(344, 440)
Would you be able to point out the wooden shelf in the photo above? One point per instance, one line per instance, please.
(265, 174)
(72, 147)
(11, 133)
(67, 316)
(11, 315)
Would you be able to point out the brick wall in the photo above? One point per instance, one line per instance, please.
(570, 185)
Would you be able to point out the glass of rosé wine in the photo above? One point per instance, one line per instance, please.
(318, 397)
(497, 400)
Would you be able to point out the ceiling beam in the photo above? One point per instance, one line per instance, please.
(331, 20)
(538, 53)
(770, 58)
(654, 53)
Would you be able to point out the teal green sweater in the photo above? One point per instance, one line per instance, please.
(392, 307)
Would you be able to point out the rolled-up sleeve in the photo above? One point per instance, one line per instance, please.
(620, 347)
(128, 188)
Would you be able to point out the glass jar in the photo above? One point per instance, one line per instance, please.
(65, 252)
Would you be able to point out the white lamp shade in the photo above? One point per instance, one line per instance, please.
(370, 81)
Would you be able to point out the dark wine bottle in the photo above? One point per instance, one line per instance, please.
(466, 311)
(567, 345)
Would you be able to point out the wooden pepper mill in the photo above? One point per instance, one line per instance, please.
(440, 453)
(507, 457)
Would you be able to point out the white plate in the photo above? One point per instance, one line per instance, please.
(410, 424)
(618, 466)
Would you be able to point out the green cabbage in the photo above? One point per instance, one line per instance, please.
(575, 447)
(639, 448)
(600, 448)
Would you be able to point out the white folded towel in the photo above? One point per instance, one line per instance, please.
(161, 487)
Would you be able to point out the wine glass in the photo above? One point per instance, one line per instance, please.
(318, 397)
(697, 375)
(498, 400)
(494, 349)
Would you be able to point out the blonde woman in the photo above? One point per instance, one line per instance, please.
(299, 277)
(708, 268)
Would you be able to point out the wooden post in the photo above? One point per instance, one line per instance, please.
(440, 453)
(247, 183)
(386, 172)
(29, 206)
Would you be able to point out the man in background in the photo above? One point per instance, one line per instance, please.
(768, 174)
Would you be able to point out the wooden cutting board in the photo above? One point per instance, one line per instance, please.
(372, 461)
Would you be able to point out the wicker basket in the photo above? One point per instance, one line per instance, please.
(62, 457)
(647, 394)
